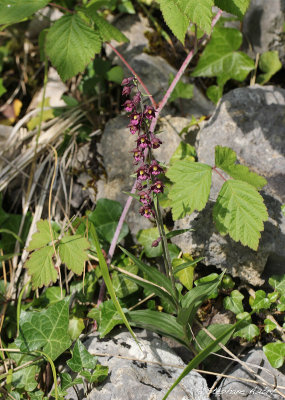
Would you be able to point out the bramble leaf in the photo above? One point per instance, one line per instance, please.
(236, 7)
(269, 63)
(234, 302)
(275, 353)
(72, 251)
(191, 188)
(221, 58)
(71, 44)
(42, 237)
(45, 330)
(179, 13)
(225, 158)
(240, 212)
(14, 11)
(41, 268)
(81, 358)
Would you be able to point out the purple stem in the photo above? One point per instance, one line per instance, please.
(152, 127)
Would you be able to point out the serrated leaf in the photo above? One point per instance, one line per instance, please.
(179, 13)
(184, 151)
(72, 251)
(234, 302)
(221, 58)
(71, 44)
(42, 237)
(278, 283)
(45, 330)
(191, 188)
(106, 30)
(41, 268)
(105, 217)
(240, 212)
(81, 358)
(75, 327)
(12, 11)
(275, 353)
(236, 7)
(260, 301)
(269, 63)
(225, 158)
(269, 325)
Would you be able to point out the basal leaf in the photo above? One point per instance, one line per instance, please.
(278, 283)
(45, 330)
(81, 358)
(275, 353)
(72, 251)
(221, 58)
(225, 158)
(42, 237)
(191, 187)
(203, 340)
(12, 11)
(71, 44)
(179, 13)
(234, 302)
(269, 63)
(240, 212)
(122, 285)
(41, 268)
(236, 7)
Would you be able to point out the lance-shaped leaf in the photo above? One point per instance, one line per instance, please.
(72, 251)
(191, 188)
(46, 330)
(42, 237)
(221, 58)
(236, 7)
(225, 158)
(71, 44)
(240, 212)
(41, 268)
(14, 11)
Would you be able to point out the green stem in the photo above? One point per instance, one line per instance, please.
(19, 307)
(53, 371)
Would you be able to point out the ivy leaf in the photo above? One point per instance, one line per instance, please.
(75, 327)
(25, 378)
(81, 358)
(240, 212)
(146, 237)
(247, 330)
(225, 158)
(106, 30)
(14, 11)
(181, 91)
(191, 188)
(71, 44)
(269, 325)
(260, 301)
(97, 376)
(234, 302)
(72, 251)
(214, 93)
(179, 13)
(236, 7)
(45, 330)
(275, 353)
(278, 283)
(66, 381)
(41, 268)
(109, 318)
(221, 58)
(42, 237)
(269, 63)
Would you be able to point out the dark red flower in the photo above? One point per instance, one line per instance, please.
(137, 98)
(142, 172)
(129, 106)
(149, 112)
(157, 187)
(145, 197)
(146, 211)
(156, 242)
(155, 169)
(126, 81)
(155, 142)
(127, 90)
(135, 119)
(143, 142)
(138, 155)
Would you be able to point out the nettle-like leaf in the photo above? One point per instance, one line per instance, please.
(179, 13)
(260, 301)
(234, 302)
(81, 358)
(12, 11)
(46, 330)
(269, 64)
(225, 158)
(275, 353)
(221, 58)
(240, 212)
(236, 7)
(42, 237)
(278, 283)
(71, 44)
(191, 188)
(72, 251)
(41, 268)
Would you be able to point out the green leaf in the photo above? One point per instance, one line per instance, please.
(278, 283)
(81, 358)
(273, 297)
(97, 376)
(179, 13)
(236, 7)
(187, 264)
(145, 238)
(2, 87)
(45, 330)
(191, 188)
(234, 302)
(106, 217)
(66, 381)
(41, 268)
(225, 158)
(106, 30)
(214, 93)
(260, 301)
(109, 318)
(115, 74)
(25, 378)
(71, 44)
(246, 330)
(269, 63)
(269, 325)
(75, 327)
(72, 251)
(186, 274)
(16, 10)
(122, 285)
(42, 237)
(203, 340)
(275, 353)
(208, 278)
(184, 151)
(240, 212)
(221, 58)
(181, 91)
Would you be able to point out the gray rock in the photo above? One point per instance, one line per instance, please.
(263, 27)
(141, 374)
(231, 389)
(251, 122)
